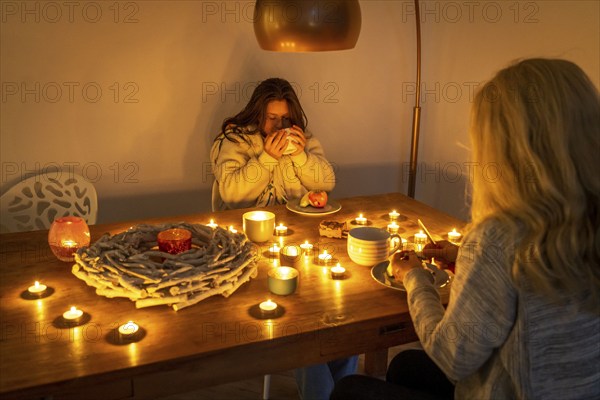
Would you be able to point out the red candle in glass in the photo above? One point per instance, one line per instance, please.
(174, 241)
(67, 235)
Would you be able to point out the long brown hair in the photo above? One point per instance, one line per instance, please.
(538, 121)
(254, 113)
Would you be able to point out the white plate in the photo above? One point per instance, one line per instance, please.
(331, 207)
(378, 272)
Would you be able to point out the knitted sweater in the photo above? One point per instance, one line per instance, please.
(500, 341)
(247, 176)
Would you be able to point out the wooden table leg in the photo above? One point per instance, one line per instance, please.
(376, 362)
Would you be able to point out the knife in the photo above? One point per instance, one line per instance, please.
(426, 231)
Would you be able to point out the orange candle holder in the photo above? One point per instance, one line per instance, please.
(67, 235)
(174, 241)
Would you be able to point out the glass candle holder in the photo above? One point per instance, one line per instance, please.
(283, 280)
(290, 255)
(174, 241)
(66, 236)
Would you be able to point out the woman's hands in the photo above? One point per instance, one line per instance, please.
(443, 250)
(277, 142)
(402, 262)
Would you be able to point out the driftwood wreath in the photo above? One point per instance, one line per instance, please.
(130, 265)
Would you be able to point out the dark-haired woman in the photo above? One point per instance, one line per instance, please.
(257, 163)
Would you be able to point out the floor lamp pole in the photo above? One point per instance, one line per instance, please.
(416, 123)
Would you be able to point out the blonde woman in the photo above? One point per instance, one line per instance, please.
(523, 319)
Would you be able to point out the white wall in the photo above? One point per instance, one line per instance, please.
(169, 72)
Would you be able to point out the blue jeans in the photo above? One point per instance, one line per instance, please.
(316, 382)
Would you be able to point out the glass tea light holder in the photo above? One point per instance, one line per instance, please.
(258, 225)
(290, 255)
(283, 280)
(393, 227)
(454, 236)
(360, 220)
(66, 236)
(174, 241)
(281, 230)
(306, 248)
(394, 215)
(325, 258)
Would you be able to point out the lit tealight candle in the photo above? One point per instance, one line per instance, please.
(232, 229)
(68, 243)
(129, 329)
(394, 215)
(306, 247)
(281, 230)
(73, 315)
(324, 257)
(393, 227)
(360, 220)
(420, 238)
(289, 255)
(212, 224)
(268, 307)
(290, 251)
(338, 272)
(37, 289)
(454, 236)
(274, 249)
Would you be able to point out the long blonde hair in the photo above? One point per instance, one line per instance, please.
(536, 125)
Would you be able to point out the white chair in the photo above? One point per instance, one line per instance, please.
(34, 203)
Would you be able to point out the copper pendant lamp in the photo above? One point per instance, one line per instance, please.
(307, 25)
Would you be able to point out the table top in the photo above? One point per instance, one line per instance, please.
(218, 338)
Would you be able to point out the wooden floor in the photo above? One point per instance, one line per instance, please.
(283, 385)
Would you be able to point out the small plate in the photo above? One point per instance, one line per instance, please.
(331, 207)
(378, 272)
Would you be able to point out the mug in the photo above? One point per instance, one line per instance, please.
(259, 225)
(368, 245)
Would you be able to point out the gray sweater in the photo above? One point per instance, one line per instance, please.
(500, 341)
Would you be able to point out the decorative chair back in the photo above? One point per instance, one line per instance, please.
(35, 202)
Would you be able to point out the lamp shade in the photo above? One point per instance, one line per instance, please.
(307, 25)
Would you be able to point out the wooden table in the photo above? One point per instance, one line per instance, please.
(213, 342)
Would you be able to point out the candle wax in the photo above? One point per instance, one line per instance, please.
(360, 220)
(268, 306)
(306, 247)
(290, 251)
(338, 271)
(129, 328)
(324, 257)
(37, 288)
(73, 314)
(281, 229)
